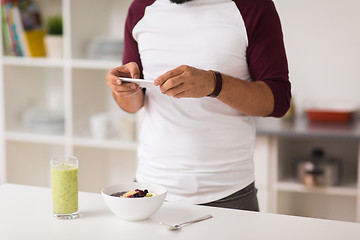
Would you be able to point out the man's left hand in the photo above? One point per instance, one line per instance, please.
(186, 82)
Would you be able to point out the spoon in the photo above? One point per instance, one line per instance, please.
(178, 226)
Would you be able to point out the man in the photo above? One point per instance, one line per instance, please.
(215, 64)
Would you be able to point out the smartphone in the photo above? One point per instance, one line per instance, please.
(141, 82)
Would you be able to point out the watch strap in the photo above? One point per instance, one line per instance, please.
(218, 84)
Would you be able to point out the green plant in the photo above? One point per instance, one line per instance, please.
(54, 25)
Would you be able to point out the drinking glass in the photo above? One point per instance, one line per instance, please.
(64, 183)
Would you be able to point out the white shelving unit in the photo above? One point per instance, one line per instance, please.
(74, 85)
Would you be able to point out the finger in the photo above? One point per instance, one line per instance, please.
(128, 70)
(168, 75)
(184, 94)
(175, 90)
(125, 87)
(133, 69)
(127, 93)
(111, 77)
(172, 84)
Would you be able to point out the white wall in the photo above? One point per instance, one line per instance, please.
(117, 17)
(322, 39)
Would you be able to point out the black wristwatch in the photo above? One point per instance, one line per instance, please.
(218, 84)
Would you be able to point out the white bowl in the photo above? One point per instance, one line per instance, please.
(134, 209)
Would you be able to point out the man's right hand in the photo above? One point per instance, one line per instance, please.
(127, 95)
(129, 70)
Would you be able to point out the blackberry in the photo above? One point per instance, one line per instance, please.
(118, 194)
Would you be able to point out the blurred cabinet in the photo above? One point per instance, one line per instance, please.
(47, 103)
(280, 144)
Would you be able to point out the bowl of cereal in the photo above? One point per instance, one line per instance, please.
(134, 201)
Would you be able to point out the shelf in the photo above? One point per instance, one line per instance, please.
(302, 128)
(347, 189)
(52, 62)
(60, 139)
(33, 62)
(34, 137)
(106, 144)
(94, 64)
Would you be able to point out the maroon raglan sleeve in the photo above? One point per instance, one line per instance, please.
(135, 13)
(266, 55)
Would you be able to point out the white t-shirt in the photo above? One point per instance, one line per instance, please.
(200, 149)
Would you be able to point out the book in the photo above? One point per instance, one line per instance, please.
(8, 20)
(34, 33)
(19, 30)
(22, 28)
(7, 43)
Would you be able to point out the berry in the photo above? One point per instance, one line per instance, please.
(138, 193)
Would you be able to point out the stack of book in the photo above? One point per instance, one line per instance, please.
(23, 34)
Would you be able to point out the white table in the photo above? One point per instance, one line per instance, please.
(26, 213)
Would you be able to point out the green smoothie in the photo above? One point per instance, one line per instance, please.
(64, 180)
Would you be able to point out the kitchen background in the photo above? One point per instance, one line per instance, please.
(58, 104)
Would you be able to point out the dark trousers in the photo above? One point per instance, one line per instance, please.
(245, 199)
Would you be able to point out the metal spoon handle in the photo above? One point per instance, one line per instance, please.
(194, 221)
